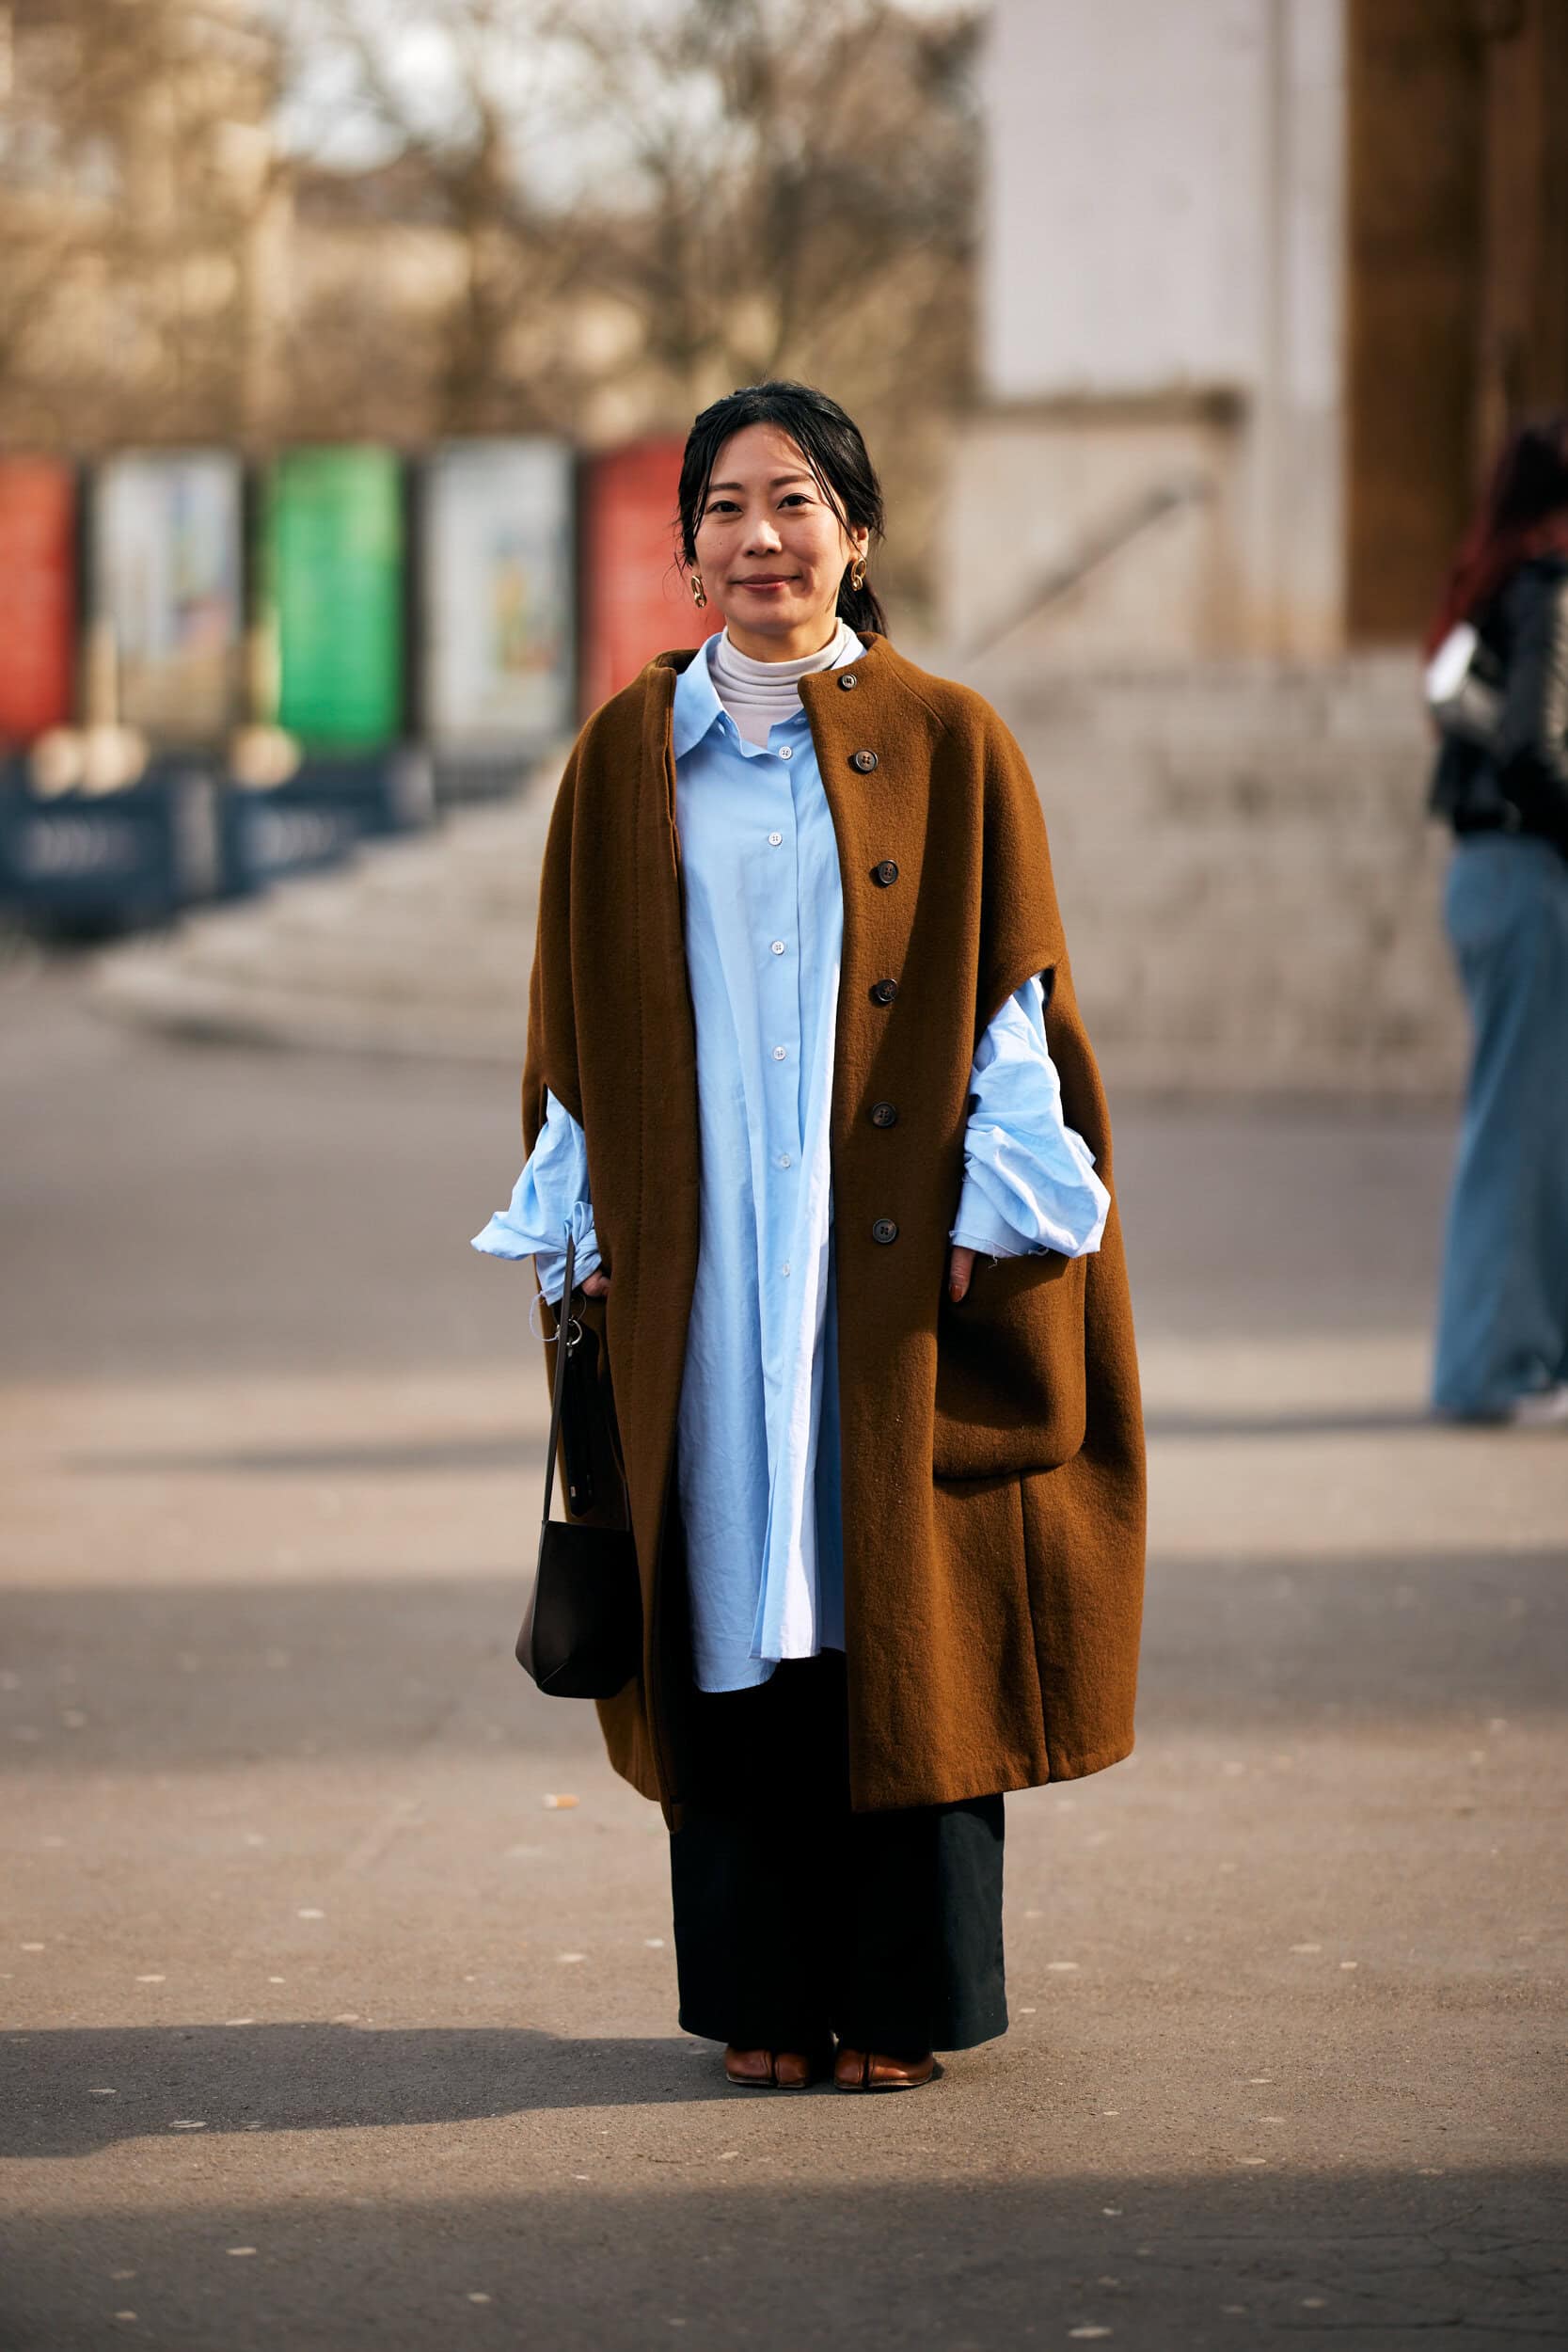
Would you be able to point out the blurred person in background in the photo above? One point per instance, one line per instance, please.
(1501, 781)
(787, 1081)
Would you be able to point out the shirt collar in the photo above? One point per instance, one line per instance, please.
(696, 703)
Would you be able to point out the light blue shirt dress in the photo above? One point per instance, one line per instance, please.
(757, 1449)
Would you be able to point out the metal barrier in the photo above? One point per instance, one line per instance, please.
(319, 816)
(94, 863)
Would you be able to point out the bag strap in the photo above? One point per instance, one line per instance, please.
(563, 1323)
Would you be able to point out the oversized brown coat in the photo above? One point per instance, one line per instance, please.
(993, 1452)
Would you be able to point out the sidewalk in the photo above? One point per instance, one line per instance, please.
(330, 2024)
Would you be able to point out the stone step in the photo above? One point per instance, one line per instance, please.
(419, 946)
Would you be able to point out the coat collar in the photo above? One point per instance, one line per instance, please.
(693, 700)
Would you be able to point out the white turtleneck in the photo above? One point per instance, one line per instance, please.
(757, 694)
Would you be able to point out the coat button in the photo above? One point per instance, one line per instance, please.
(884, 872)
(884, 1230)
(864, 762)
(846, 680)
(883, 992)
(884, 1113)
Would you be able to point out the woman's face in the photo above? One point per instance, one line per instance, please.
(770, 548)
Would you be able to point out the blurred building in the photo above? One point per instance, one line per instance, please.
(1262, 282)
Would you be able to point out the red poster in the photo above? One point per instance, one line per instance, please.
(635, 601)
(37, 595)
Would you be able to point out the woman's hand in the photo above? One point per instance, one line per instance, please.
(596, 1283)
(960, 1265)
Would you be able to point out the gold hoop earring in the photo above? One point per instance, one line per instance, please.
(699, 593)
(857, 573)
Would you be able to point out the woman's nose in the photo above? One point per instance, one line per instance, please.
(762, 539)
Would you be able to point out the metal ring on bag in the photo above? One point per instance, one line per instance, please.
(574, 1326)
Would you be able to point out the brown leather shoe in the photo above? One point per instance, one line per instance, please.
(775, 2069)
(875, 2070)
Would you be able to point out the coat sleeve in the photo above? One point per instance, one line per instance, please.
(1085, 1520)
(552, 1091)
(1020, 925)
(1021, 934)
(550, 1063)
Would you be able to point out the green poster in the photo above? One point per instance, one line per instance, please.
(333, 553)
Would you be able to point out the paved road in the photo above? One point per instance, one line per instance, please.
(329, 2024)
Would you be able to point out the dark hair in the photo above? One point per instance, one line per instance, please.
(832, 444)
(1524, 511)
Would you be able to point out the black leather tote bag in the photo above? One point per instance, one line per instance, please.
(581, 1635)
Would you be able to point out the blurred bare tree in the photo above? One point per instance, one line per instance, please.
(136, 170)
(251, 220)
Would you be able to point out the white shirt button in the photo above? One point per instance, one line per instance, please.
(774, 839)
(786, 751)
(783, 1269)
(779, 1052)
(778, 946)
(783, 1159)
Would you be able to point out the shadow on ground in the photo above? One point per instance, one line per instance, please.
(1359, 2258)
(74, 2090)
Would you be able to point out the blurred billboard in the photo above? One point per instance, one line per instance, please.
(332, 563)
(167, 574)
(37, 595)
(497, 595)
(635, 602)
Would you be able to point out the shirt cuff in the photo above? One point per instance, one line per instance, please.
(979, 1226)
(550, 1194)
(983, 1248)
(501, 1240)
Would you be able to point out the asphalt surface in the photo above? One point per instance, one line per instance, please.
(330, 2023)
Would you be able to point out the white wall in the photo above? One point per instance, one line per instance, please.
(1164, 221)
(1122, 248)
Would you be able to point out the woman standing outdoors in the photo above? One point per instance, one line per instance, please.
(1502, 1336)
(849, 1246)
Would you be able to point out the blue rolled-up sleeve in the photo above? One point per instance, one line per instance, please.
(1029, 1181)
(551, 1194)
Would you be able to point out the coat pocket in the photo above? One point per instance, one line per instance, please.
(1010, 1390)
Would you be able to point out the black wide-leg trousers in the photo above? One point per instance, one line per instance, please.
(797, 1919)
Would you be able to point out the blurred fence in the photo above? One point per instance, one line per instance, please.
(215, 676)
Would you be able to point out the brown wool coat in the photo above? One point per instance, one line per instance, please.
(993, 1452)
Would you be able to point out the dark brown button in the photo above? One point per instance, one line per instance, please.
(884, 1230)
(846, 679)
(864, 762)
(884, 872)
(883, 992)
(884, 1113)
